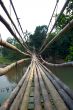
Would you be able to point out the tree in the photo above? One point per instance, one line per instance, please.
(10, 54)
(70, 55)
(38, 37)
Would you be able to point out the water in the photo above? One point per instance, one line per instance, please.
(9, 81)
(65, 74)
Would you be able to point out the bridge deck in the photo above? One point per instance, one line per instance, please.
(39, 89)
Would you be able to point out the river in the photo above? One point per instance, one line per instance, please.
(65, 74)
(9, 81)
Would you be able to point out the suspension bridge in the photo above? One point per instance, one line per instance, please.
(39, 88)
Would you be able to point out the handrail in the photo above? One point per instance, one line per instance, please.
(4, 8)
(55, 65)
(65, 29)
(10, 46)
(16, 16)
(11, 31)
(7, 68)
(11, 98)
(66, 3)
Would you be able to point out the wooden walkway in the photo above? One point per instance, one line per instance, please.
(39, 89)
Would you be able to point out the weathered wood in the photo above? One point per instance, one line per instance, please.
(64, 86)
(16, 104)
(58, 17)
(60, 34)
(7, 68)
(12, 47)
(47, 89)
(14, 93)
(55, 65)
(60, 105)
(7, 13)
(63, 94)
(12, 33)
(47, 103)
(37, 99)
(25, 101)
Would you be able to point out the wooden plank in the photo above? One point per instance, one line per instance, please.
(25, 101)
(60, 105)
(47, 103)
(37, 99)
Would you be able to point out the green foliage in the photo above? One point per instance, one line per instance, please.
(69, 9)
(70, 55)
(60, 48)
(64, 19)
(38, 37)
(10, 54)
(4, 60)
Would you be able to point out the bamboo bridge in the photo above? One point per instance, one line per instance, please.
(39, 88)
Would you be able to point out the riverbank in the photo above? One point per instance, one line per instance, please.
(4, 60)
(2, 65)
(54, 61)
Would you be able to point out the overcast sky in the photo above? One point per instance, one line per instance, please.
(32, 13)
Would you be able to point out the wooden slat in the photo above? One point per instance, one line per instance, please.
(24, 105)
(60, 105)
(47, 103)
(37, 99)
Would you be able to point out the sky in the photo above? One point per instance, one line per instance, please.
(31, 13)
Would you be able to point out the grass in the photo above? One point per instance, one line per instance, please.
(4, 60)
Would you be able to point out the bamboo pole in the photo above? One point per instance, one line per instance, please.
(58, 101)
(37, 99)
(64, 86)
(67, 99)
(60, 34)
(9, 101)
(7, 68)
(47, 103)
(17, 101)
(55, 65)
(10, 46)
(25, 100)
(4, 8)
(13, 34)
(66, 3)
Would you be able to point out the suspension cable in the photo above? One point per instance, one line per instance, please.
(46, 41)
(18, 21)
(50, 20)
(16, 16)
(3, 6)
(11, 31)
(53, 13)
(64, 30)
